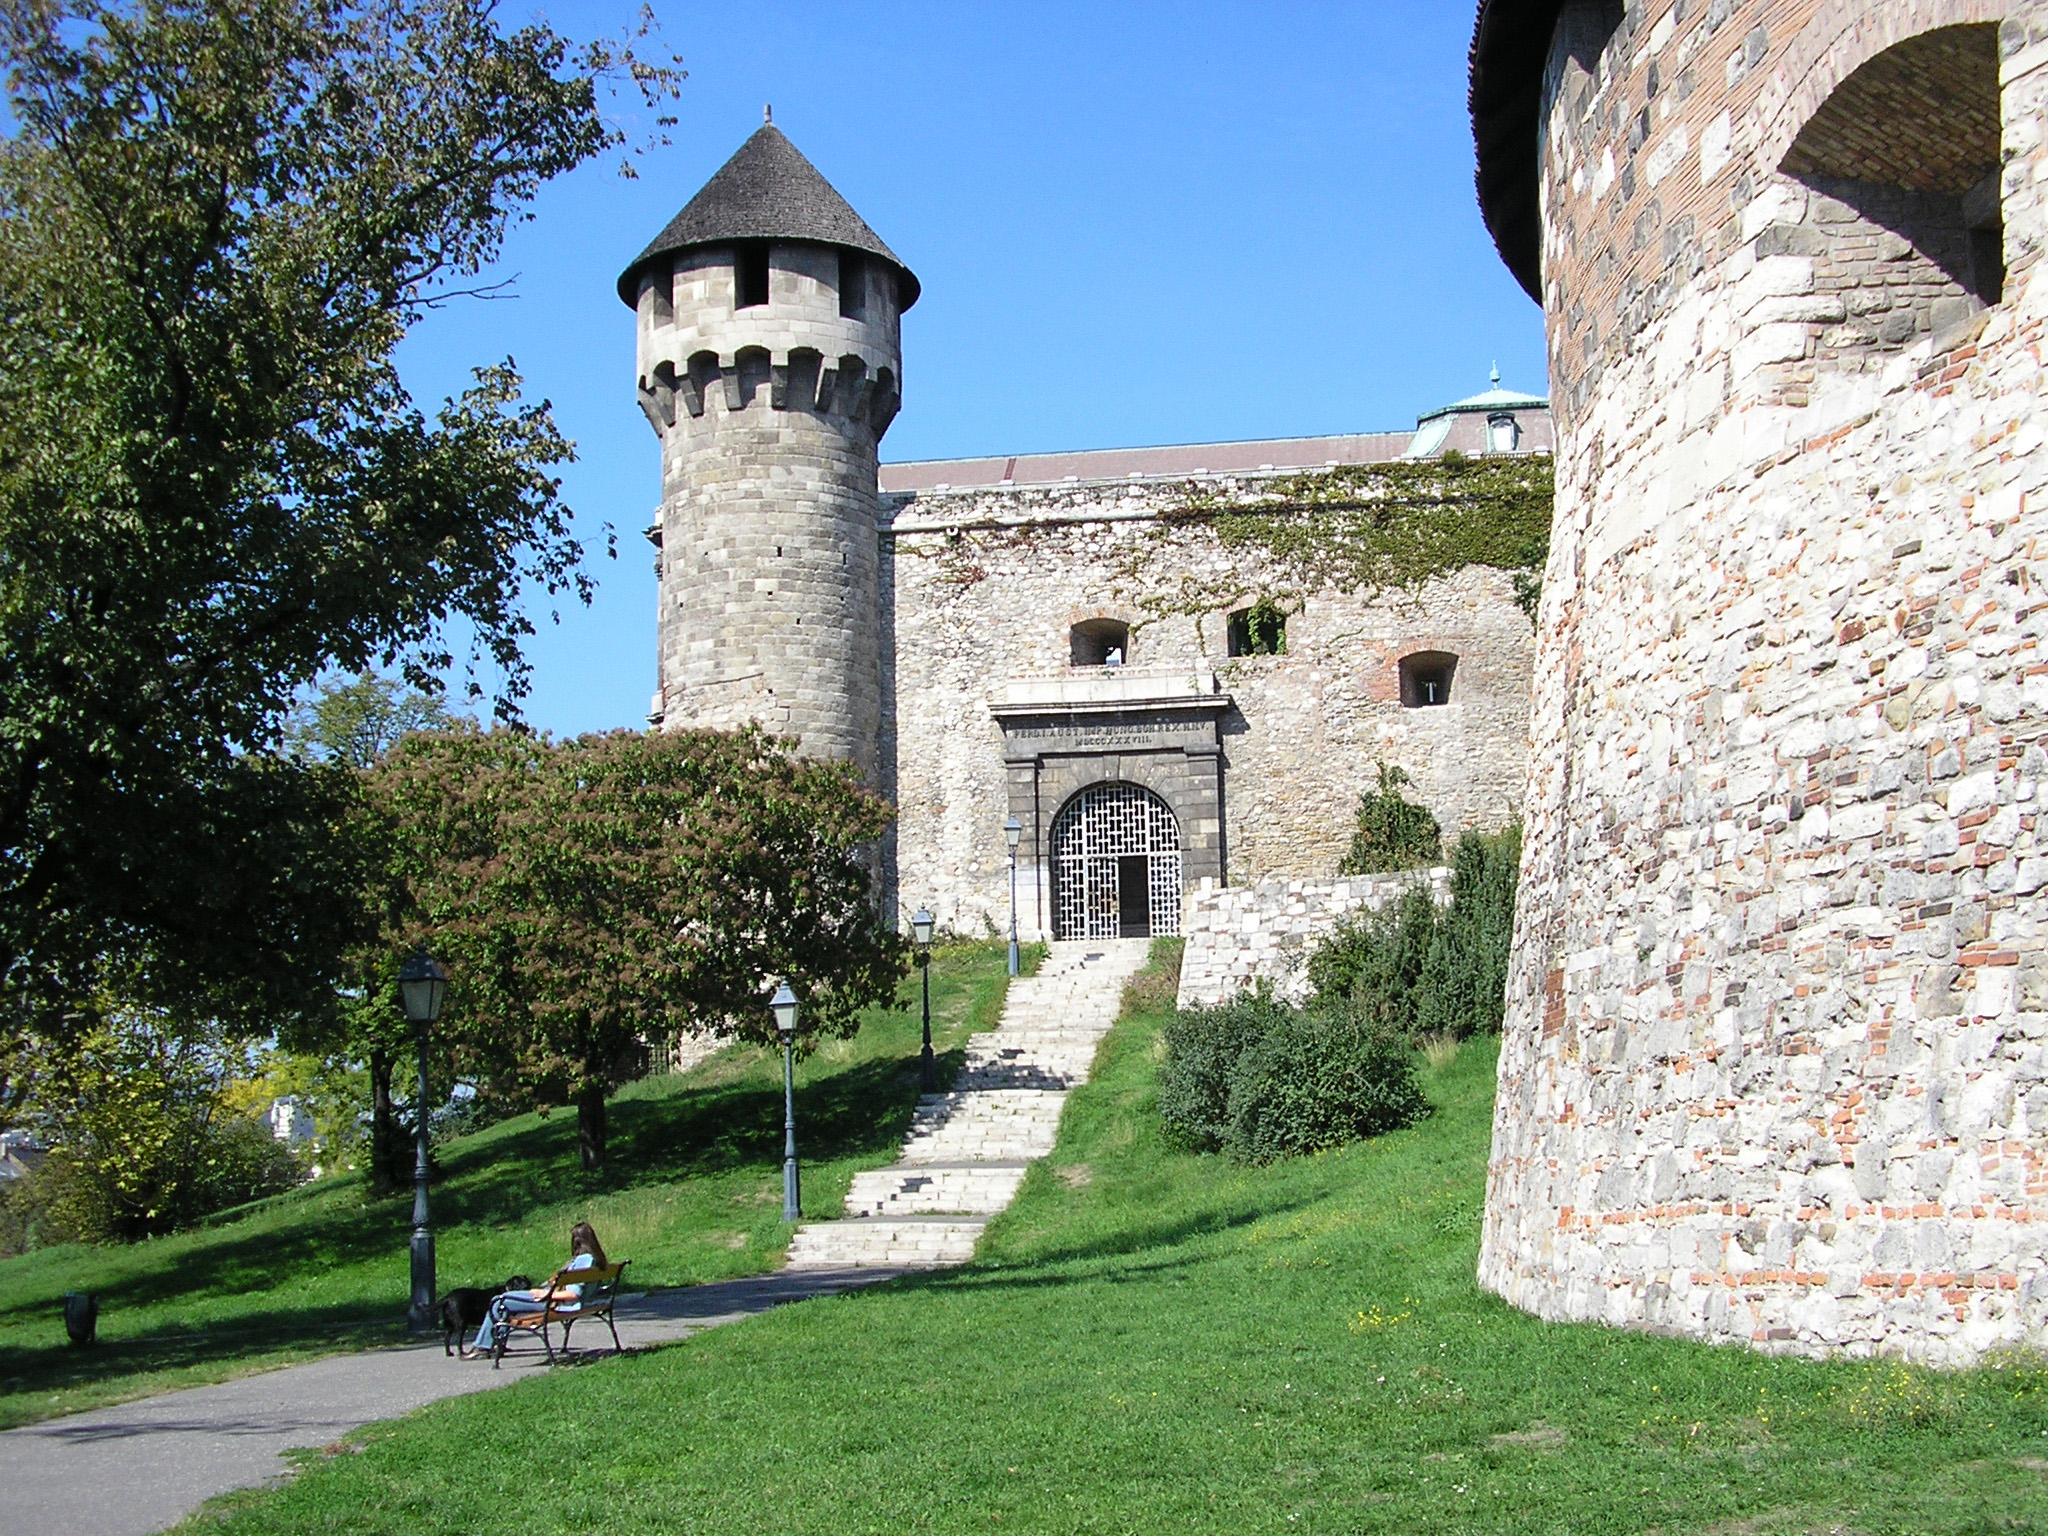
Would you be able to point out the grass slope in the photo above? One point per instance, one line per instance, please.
(1153, 1342)
(693, 1192)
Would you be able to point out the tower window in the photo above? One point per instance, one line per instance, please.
(1260, 630)
(853, 285)
(1907, 150)
(750, 276)
(1502, 433)
(1100, 643)
(1426, 679)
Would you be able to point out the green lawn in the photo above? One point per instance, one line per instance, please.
(693, 1192)
(1160, 1343)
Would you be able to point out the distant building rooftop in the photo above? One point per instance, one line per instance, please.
(1122, 463)
(1436, 432)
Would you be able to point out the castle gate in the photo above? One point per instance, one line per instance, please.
(1116, 781)
(1115, 865)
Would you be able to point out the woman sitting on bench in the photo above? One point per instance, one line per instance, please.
(585, 1252)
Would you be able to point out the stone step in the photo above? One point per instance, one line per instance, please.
(984, 1124)
(968, 1150)
(885, 1243)
(972, 1188)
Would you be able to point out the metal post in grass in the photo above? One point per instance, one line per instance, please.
(1013, 833)
(783, 1006)
(921, 930)
(422, 984)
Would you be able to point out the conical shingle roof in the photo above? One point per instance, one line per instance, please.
(766, 191)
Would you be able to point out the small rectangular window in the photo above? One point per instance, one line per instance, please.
(1260, 630)
(853, 285)
(750, 276)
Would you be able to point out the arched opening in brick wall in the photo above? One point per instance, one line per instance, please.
(1116, 865)
(1902, 160)
(1426, 679)
(1099, 643)
(1584, 29)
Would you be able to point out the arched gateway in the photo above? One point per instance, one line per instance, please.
(1115, 865)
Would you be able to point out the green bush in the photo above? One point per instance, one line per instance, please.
(1320, 1079)
(1375, 961)
(1392, 833)
(1462, 989)
(1203, 1047)
(1426, 969)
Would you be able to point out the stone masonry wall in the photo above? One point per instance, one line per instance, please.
(985, 587)
(1775, 1067)
(1241, 935)
(769, 417)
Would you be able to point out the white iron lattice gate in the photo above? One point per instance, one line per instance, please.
(1092, 838)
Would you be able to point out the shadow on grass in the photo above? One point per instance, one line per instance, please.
(494, 1179)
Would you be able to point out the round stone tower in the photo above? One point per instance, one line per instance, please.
(1775, 1067)
(769, 367)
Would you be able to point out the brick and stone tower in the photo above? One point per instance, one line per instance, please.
(1775, 1067)
(770, 367)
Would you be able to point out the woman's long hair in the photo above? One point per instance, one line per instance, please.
(583, 1239)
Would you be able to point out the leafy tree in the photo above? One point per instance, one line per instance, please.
(590, 895)
(355, 722)
(1392, 832)
(146, 1140)
(218, 218)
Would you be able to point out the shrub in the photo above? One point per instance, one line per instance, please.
(1425, 969)
(1320, 1079)
(1462, 988)
(1375, 961)
(1392, 833)
(1203, 1047)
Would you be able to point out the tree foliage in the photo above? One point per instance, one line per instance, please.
(1430, 970)
(1392, 832)
(218, 219)
(357, 721)
(146, 1141)
(593, 894)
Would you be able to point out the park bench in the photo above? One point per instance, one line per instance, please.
(600, 1291)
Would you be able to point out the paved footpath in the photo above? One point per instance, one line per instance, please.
(146, 1465)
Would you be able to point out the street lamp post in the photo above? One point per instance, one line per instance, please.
(1013, 833)
(422, 984)
(921, 929)
(783, 1006)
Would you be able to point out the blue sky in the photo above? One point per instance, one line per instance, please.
(1133, 223)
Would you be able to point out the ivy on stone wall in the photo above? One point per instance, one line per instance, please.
(1376, 526)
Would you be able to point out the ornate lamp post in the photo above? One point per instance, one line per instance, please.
(422, 984)
(921, 930)
(783, 1006)
(1013, 833)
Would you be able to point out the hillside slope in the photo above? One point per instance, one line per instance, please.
(693, 1192)
(1153, 1342)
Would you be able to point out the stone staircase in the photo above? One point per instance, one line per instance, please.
(968, 1149)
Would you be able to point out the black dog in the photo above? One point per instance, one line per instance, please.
(464, 1309)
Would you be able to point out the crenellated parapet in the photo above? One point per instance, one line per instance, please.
(843, 389)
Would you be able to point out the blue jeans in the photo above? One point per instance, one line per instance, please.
(503, 1308)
